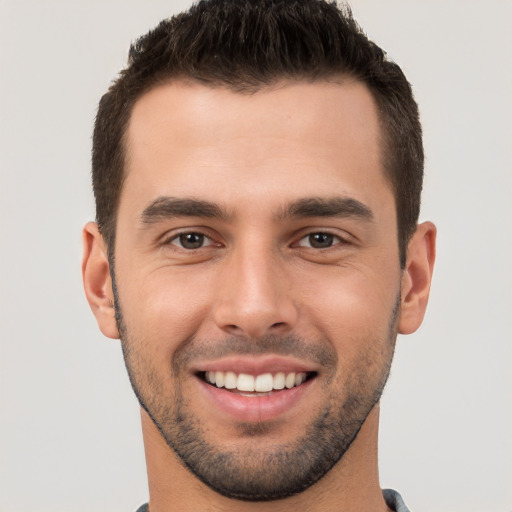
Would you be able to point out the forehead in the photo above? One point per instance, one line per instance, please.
(185, 139)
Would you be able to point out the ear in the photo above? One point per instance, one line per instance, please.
(416, 278)
(97, 281)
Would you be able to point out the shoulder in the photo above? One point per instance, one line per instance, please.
(393, 500)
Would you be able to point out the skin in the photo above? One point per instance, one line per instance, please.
(257, 277)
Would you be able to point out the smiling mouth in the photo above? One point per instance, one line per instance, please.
(255, 385)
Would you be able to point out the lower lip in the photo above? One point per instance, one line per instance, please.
(255, 409)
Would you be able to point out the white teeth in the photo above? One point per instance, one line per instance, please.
(219, 379)
(279, 379)
(245, 382)
(230, 380)
(263, 383)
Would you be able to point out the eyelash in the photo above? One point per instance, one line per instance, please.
(178, 237)
(335, 240)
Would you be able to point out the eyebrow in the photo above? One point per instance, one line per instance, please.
(170, 207)
(337, 206)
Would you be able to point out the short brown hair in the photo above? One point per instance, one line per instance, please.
(246, 45)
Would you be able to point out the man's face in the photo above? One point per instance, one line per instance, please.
(257, 247)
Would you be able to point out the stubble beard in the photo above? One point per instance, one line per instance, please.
(254, 474)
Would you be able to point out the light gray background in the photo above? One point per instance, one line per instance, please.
(69, 429)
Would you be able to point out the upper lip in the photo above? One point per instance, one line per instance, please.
(255, 365)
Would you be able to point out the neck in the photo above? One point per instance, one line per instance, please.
(352, 485)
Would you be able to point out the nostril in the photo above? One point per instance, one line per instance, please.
(278, 324)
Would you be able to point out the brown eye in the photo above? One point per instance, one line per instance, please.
(191, 241)
(319, 240)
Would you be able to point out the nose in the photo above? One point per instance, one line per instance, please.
(254, 295)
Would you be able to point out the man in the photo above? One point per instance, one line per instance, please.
(257, 170)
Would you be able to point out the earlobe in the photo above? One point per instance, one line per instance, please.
(97, 281)
(417, 277)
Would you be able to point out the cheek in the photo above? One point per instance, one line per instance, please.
(162, 309)
(357, 317)
(353, 309)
